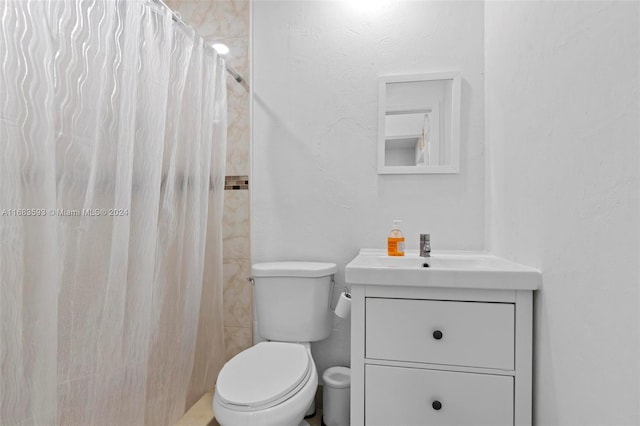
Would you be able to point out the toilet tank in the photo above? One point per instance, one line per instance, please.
(292, 300)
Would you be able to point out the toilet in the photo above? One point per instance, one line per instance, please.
(274, 382)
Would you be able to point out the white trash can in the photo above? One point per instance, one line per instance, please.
(336, 400)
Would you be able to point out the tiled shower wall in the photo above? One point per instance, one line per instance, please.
(228, 22)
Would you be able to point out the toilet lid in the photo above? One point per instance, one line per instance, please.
(262, 375)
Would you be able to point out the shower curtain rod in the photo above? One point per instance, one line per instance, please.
(178, 19)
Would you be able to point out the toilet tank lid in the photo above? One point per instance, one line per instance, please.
(294, 269)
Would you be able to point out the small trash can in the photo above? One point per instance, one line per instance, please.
(335, 396)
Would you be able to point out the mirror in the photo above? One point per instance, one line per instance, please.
(419, 123)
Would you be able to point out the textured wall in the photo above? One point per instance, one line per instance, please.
(316, 193)
(228, 22)
(562, 113)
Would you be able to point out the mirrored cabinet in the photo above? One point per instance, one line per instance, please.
(419, 123)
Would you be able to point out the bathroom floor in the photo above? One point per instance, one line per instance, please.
(317, 419)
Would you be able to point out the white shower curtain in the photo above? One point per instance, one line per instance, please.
(112, 147)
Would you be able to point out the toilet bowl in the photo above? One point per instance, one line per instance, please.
(269, 384)
(274, 383)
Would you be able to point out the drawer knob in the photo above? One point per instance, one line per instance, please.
(436, 405)
(437, 334)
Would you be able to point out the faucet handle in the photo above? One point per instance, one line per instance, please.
(425, 245)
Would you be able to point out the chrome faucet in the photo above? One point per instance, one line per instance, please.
(425, 245)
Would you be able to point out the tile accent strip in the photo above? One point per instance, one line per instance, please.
(234, 183)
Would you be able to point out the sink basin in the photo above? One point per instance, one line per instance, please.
(437, 261)
(383, 261)
(457, 269)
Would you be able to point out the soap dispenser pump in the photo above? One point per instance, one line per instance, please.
(395, 241)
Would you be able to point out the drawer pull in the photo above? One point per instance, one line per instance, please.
(437, 334)
(437, 405)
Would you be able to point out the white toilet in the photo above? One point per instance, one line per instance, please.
(274, 382)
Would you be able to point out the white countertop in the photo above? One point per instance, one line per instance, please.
(447, 269)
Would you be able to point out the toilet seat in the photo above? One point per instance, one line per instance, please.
(263, 376)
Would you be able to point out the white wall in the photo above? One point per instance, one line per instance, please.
(563, 142)
(315, 191)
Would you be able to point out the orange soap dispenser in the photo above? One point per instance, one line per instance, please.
(395, 242)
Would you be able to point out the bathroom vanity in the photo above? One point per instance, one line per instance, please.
(445, 344)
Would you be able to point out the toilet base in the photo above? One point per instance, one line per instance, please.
(286, 413)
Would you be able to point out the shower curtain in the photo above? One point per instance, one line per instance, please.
(112, 148)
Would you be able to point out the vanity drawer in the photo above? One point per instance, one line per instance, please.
(474, 334)
(410, 396)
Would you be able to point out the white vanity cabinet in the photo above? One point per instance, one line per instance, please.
(455, 355)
